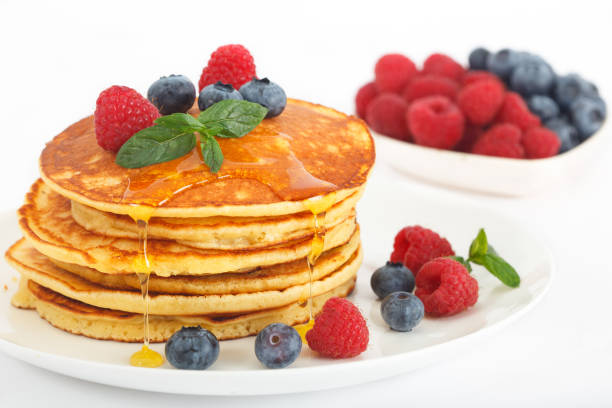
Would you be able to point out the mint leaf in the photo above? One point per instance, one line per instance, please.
(180, 121)
(479, 246)
(499, 268)
(233, 118)
(463, 261)
(156, 144)
(211, 152)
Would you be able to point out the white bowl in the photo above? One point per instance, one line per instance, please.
(486, 174)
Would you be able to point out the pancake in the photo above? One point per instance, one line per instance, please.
(36, 267)
(307, 151)
(46, 222)
(216, 232)
(107, 324)
(275, 277)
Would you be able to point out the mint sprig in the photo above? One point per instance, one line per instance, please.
(481, 253)
(174, 136)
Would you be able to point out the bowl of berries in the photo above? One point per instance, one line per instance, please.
(506, 124)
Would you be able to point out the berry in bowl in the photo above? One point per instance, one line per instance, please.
(506, 124)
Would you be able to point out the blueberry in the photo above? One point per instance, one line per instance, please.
(214, 93)
(532, 76)
(192, 348)
(478, 58)
(402, 311)
(172, 94)
(588, 115)
(265, 93)
(502, 63)
(566, 132)
(543, 106)
(277, 345)
(569, 87)
(393, 277)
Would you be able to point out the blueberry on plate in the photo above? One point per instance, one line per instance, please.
(192, 348)
(172, 94)
(267, 94)
(214, 93)
(569, 87)
(588, 115)
(543, 106)
(502, 63)
(402, 311)
(478, 58)
(532, 76)
(392, 277)
(277, 345)
(566, 132)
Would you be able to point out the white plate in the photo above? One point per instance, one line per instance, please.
(384, 209)
(485, 174)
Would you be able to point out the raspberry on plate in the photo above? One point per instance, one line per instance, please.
(435, 121)
(121, 112)
(393, 71)
(339, 331)
(445, 287)
(386, 114)
(415, 245)
(428, 85)
(540, 143)
(229, 64)
(364, 96)
(502, 140)
(444, 65)
(481, 100)
(514, 110)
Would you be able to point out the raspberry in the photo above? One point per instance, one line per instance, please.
(445, 287)
(444, 65)
(415, 245)
(393, 71)
(540, 143)
(435, 121)
(229, 64)
(428, 85)
(471, 134)
(363, 98)
(502, 140)
(386, 114)
(474, 76)
(514, 110)
(339, 331)
(121, 112)
(481, 100)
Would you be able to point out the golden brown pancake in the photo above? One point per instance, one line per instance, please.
(307, 151)
(36, 267)
(216, 232)
(46, 222)
(107, 324)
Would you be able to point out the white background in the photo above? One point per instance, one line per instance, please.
(57, 57)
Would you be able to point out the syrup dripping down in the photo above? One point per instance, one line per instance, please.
(318, 206)
(145, 357)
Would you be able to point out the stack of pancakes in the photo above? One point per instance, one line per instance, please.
(226, 251)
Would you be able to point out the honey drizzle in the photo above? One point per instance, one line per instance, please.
(318, 206)
(145, 357)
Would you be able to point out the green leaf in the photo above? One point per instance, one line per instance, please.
(499, 268)
(153, 145)
(211, 152)
(180, 121)
(479, 245)
(233, 118)
(463, 261)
